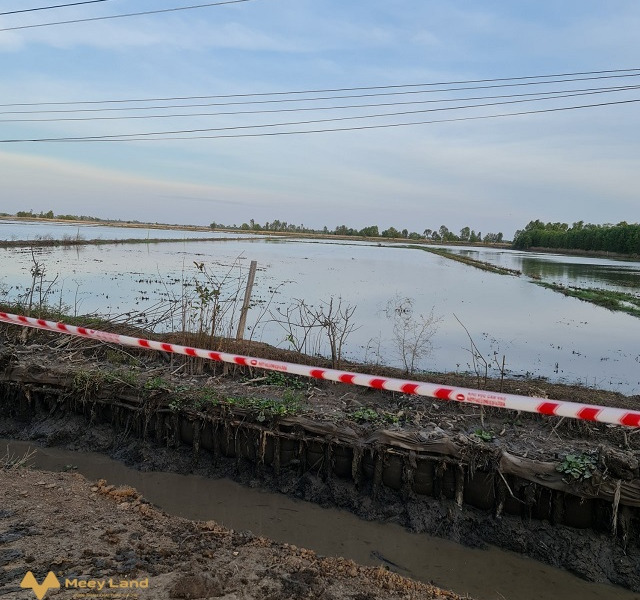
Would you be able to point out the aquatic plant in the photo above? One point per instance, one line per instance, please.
(610, 299)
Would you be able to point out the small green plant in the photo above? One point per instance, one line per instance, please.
(122, 376)
(285, 380)
(156, 383)
(370, 415)
(268, 408)
(365, 415)
(200, 399)
(87, 383)
(579, 467)
(484, 435)
(391, 418)
(177, 404)
(292, 397)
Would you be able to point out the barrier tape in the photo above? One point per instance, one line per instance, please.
(544, 406)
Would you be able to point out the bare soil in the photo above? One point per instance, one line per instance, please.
(63, 523)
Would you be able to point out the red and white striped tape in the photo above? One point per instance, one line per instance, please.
(573, 410)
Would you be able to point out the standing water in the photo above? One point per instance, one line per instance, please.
(490, 574)
(538, 332)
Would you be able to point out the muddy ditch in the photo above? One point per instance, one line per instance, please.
(566, 493)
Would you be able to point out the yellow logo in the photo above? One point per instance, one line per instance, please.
(40, 589)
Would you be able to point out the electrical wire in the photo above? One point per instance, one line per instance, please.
(122, 16)
(313, 99)
(556, 95)
(633, 72)
(23, 10)
(127, 138)
(26, 10)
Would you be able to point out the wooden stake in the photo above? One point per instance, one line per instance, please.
(247, 298)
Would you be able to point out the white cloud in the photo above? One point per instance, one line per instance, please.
(474, 173)
(69, 187)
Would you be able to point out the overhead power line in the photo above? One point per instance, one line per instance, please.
(39, 8)
(123, 16)
(290, 100)
(546, 97)
(26, 10)
(607, 74)
(177, 135)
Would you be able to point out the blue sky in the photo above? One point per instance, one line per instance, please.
(492, 175)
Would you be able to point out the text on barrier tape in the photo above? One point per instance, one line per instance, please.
(560, 408)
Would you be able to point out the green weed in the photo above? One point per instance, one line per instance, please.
(284, 380)
(155, 384)
(177, 404)
(267, 408)
(483, 435)
(123, 376)
(200, 399)
(578, 467)
(370, 415)
(87, 382)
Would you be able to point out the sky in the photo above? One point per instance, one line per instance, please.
(490, 174)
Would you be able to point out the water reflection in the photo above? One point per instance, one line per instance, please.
(569, 270)
(539, 332)
(33, 230)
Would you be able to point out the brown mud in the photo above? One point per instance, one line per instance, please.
(96, 532)
(471, 475)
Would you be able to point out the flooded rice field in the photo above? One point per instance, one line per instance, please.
(21, 230)
(579, 271)
(538, 332)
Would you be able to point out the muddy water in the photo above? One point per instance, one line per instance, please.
(491, 574)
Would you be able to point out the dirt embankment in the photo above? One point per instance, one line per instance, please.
(94, 532)
(133, 390)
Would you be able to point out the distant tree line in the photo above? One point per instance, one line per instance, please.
(50, 215)
(442, 234)
(29, 214)
(623, 238)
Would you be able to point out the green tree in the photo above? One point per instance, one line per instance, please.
(370, 231)
(623, 238)
(392, 232)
